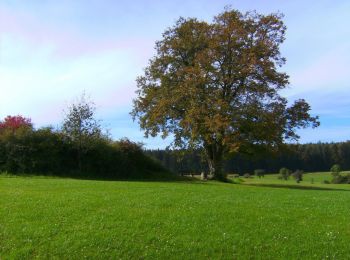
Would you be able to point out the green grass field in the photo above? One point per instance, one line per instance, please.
(75, 219)
(310, 180)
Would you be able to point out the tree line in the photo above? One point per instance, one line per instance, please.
(310, 157)
(79, 148)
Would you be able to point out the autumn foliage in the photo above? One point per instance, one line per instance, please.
(216, 87)
(14, 123)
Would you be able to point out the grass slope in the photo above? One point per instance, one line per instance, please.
(65, 218)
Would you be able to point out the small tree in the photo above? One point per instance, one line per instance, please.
(81, 127)
(259, 172)
(336, 169)
(14, 123)
(284, 173)
(298, 175)
(15, 150)
(337, 177)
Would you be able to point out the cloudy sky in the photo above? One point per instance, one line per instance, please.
(51, 51)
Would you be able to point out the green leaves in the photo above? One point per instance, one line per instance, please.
(80, 120)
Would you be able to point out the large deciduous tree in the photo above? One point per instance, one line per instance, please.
(216, 86)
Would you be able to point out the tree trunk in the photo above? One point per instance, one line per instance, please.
(215, 169)
(214, 155)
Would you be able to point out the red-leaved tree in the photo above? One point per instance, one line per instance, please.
(14, 123)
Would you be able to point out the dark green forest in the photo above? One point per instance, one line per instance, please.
(308, 157)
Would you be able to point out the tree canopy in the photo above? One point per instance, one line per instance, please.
(81, 127)
(13, 123)
(216, 86)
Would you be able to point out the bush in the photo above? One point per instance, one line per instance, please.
(326, 182)
(348, 178)
(341, 179)
(335, 169)
(298, 175)
(337, 177)
(284, 174)
(49, 152)
(259, 172)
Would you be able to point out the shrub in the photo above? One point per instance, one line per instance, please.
(341, 179)
(284, 174)
(337, 177)
(48, 152)
(326, 182)
(348, 178)
(298, 175)
(335, 169)
(259, 172)
(134, 163)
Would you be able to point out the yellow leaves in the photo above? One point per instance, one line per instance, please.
(232, 147)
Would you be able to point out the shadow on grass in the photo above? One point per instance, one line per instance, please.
(296, 187)
(165, 178)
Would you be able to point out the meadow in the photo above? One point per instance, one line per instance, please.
(256, 219)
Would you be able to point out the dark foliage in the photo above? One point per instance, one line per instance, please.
(309, 157)
(336, 169)
(337, 177)
(284, 174)
(298, 175)
(49, 152)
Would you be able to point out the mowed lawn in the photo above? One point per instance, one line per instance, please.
(313, 180)
(75, 219)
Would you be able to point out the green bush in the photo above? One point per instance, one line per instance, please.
(49, 152)
(284, 174)
(338, 178)
(335, 169)
(341, 179)
(259, 172)
(298, 175)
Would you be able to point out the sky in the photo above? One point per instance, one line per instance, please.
(53, 51)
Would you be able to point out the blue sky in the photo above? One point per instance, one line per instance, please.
(51, 51)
